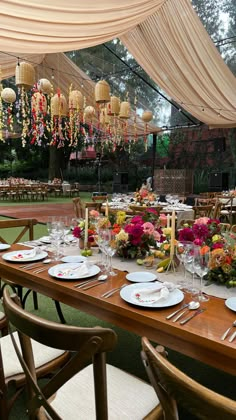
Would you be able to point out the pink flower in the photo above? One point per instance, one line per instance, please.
(157, 236)
(77, 232)
(198, 242)
(163, 219)
(148, 228)
(202, 221)
(94, 213)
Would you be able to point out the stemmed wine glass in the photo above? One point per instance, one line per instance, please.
(56, 236)
(110, 248)
(201, 267)
(183, 253)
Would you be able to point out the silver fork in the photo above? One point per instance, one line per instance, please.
(112, 291)
(228, 330)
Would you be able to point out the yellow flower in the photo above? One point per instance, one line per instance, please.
(215, 238)
(122, 236)
(167, 231)
(120, 219)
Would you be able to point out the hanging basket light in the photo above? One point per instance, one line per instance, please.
(76, 100)
(89, 112)
(39, 103)
(124, 110)
(45, 86)
(147, 116)
(113, 107)
(8, 95)
(59, 105)
(102, 92)
(25, 75)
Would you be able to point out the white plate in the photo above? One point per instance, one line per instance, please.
(23, 256)
(73, 259)
(141, 276)
(45, 239)
(55, 271)
(231, 303)
(4, 246)
(174, 297)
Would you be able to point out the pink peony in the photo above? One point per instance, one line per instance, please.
(148, 228)
(202, 221)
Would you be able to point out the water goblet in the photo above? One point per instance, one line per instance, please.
(111, 250)
(201, 267)
(183, 249)
(56, 236)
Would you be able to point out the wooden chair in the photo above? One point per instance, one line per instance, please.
(172, 387)
(233, 229)
(202, 211)
(48, 360)
(216, 210)
(225, 227)
(78, 207)
(79, 390)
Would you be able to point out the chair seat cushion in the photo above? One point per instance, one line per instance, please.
(11, 364)
(129, 397)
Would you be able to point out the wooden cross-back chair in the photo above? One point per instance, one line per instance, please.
(47, 359)
(173, 386)
(79, 390)
(78, 207)
(21, 227)
(202, 211)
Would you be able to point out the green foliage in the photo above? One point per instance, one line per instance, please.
(163, 145)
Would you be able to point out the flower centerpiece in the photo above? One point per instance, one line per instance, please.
(206, 233)
(134, 239)
(79, 228)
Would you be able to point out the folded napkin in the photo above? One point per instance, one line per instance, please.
(78, 271)
(25, 255)
(152, 295)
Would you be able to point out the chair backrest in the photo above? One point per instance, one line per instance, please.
(172, 386)
(217, 210)
(100, 198)
(26, 226)
(93, 205)
(87, 345)
(202, 211)
(78, 207)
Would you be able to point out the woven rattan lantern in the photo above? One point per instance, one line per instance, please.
(124, 110)
(89, 112)
(59, 105)
(39, 103)
(25, 75)
(8, 95)
(45, 86)
(102, 92)
(76, 100)
(113, 107)
(147, 116)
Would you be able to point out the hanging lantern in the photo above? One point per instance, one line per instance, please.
(59, 105)
(8, 95)
(39, 103)
(102, 92)
(124, 110)
(45, 86)
(147, 116)
(25, 75)
(76, 100)
(89, 112)
(113, 107)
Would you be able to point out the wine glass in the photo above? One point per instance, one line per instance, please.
(201, 267)
(56, 236)
(183, 249)
(110, 247)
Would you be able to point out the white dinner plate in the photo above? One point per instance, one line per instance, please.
(231, 303)
(4, 246)
(45, 239)
(141, 276)
(58, 270)
(24, 255)
(73, 259)
(128, 292)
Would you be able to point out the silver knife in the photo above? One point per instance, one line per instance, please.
(175, 312)
(192, 316)
(179, 316)
(232, 337)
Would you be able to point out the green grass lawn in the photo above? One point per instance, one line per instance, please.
(85, 196)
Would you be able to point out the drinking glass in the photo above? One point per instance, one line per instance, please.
(183, 252)
(110, 247)
(57, 236)
(201, 268)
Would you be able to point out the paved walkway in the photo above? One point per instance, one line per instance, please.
(38, 211)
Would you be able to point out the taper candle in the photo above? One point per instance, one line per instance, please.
(172, 238)
(168, 221)
(86, 228)
(107, 209)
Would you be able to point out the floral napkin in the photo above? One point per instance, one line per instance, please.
(25, 255)
(80, 270)
(152, 295)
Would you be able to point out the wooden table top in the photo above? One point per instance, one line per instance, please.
(199, 338)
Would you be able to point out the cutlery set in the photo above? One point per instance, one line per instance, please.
(187, 307)
(233, 336)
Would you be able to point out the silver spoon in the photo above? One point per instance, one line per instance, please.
(191, 306)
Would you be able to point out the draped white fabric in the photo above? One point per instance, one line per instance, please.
(56, 26)
(165, 36)
(175, 50)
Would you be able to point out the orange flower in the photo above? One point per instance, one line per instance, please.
(204, 249)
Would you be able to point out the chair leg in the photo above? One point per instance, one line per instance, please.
(35, 299)
(59, 312)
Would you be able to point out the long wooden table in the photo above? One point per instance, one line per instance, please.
(199, 339)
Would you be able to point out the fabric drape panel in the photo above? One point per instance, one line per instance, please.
(57, 25)
(175, 50)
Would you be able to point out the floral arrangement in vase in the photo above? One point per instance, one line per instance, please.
(206, 233)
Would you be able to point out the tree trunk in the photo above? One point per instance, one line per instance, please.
(56, 163)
